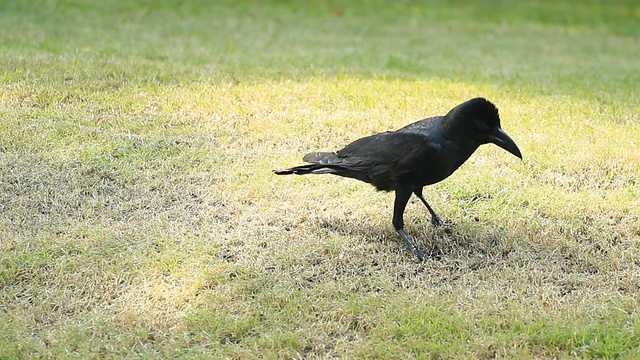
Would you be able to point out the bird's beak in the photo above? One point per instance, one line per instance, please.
(500, 138)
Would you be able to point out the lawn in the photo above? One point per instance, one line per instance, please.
(139, 217)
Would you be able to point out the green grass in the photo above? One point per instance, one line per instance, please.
(139, 217)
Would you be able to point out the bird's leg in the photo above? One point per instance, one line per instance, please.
(435, 219)
(402, 197)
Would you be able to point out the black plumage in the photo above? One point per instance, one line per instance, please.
(419, 154)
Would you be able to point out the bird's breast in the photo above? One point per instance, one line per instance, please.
(448, 161)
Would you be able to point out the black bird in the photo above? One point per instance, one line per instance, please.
(419, 154)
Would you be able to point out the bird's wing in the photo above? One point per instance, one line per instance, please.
(391, 156)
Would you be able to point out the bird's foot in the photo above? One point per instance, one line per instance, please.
(411, 244)
(435, 220)
(419, 254)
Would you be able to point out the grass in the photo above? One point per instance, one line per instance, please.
(139, 217)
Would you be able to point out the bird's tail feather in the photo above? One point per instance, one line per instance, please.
(306, 169)
(319, 163)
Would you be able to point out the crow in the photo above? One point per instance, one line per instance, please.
(419, 154)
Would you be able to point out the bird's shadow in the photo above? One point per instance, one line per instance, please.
(466, 250)
(449, 240)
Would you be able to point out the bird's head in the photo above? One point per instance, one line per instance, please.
(478, 119)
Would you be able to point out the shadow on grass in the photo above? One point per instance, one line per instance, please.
(452, 240)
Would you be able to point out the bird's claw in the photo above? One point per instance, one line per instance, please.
(435, 220)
